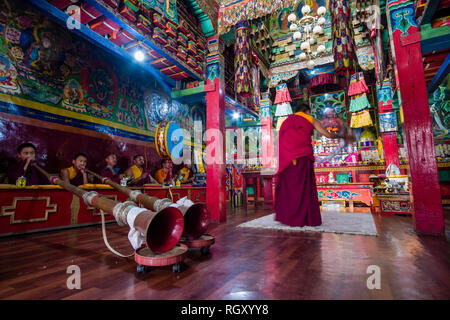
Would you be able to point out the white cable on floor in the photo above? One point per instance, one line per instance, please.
(105, 239)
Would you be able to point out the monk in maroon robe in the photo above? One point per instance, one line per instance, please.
(296, 199)
(26, 153)
(110, 170)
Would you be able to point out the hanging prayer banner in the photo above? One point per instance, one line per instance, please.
(343, 44)
(243, 83)
(366, 58)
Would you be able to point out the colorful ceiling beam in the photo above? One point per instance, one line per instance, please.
(440, 75)
(429, 11)
(61, 18)
(110, 15)
(207, 12)
(434, 39)
(232, 12)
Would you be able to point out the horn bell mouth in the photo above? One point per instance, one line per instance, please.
(163, 229)
(196, 221)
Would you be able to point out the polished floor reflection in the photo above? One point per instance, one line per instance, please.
(243, 264)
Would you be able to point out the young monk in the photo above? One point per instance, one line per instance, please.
(165, 175)
(26, 152)
(110, 170)
(296, 199)
(140, 176)
(76, 174)
(185, 174)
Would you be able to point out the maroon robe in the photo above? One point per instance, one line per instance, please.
(106, 173)
(296, 199)
(77, 180)
(33, 175)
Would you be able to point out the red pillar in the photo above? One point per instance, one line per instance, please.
(215, 134)
(266, 130)
(428, 215)
(267, 145)
(239, 147)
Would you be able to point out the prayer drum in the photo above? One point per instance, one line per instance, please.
(169, 140)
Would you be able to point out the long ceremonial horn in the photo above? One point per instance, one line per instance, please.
(162, 229)
(196, 217)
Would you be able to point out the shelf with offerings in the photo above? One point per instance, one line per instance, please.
(353, 167)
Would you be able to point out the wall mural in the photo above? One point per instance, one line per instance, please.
(43, 62)
(167, 7)
(440, 113)
(330, 109)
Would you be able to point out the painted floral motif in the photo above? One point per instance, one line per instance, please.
(140, 123)
(135, 109)
(17, 53)
(128, 119)
(366, 58)
(73, 96)
(13, 35)
(337, 194)
(123, 104)
(8, 76)
(402, 17)
(120, 116)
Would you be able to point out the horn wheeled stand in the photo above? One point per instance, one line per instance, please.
(204, 242)
(145, 258)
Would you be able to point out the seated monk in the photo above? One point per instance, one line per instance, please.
(165, 175)
(185, 174)
(110, 170)
(76, 174)
(26, 152)
(139, 175)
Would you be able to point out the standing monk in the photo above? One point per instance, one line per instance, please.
(296, 200)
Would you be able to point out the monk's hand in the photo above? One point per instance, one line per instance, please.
(294, 162)
(27, 164)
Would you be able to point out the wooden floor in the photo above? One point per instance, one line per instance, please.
(243, 264)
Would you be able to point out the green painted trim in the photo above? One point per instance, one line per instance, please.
(205, 22)
(427, 32)
(207, 28)
(187, 92)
